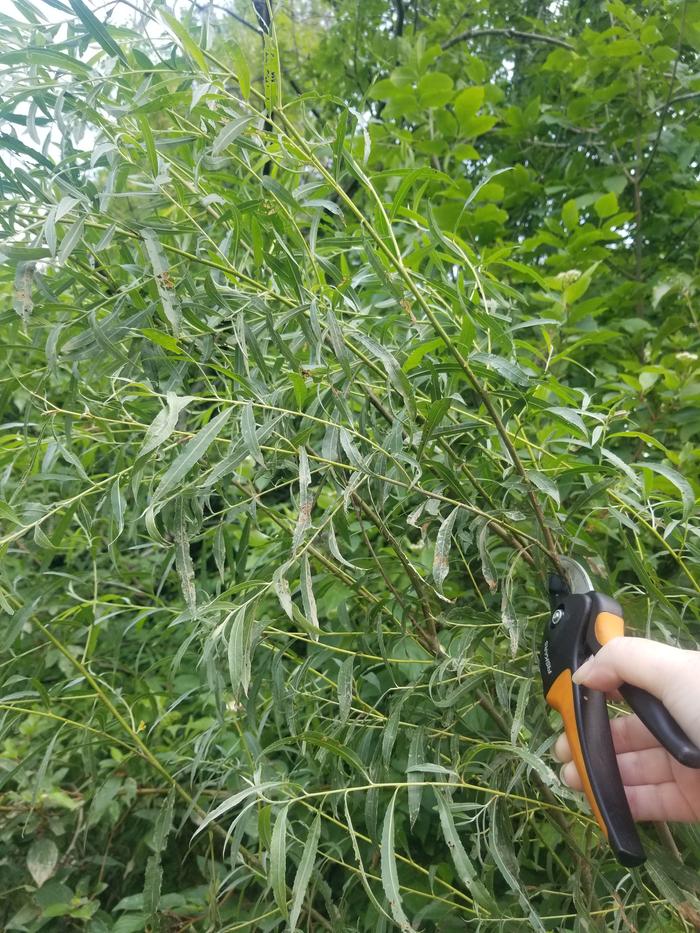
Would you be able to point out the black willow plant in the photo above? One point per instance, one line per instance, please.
(327, 328)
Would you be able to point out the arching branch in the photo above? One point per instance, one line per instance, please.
(509, 34)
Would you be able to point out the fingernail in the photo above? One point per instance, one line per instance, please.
(582, 672)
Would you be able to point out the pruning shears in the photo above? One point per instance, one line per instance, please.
(581, 621)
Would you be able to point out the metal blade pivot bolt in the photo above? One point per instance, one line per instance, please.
(557, 616)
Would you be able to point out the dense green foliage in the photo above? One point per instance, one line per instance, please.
(324, 344)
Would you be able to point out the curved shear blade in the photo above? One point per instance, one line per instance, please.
(576, 575)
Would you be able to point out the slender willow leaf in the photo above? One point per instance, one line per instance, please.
(443, 542)
(503, 854)
(679, 481)
(23, 302)
(229, 134)
(154, 872)
(281, 587)
(163, 425)
(240, 65)
(416, 752)
(97, 30)
(345, 688)
(164, 284)
(239, 646)
(358, 859)
(335, 550)
(305, 502)
(185, 40)
(303, 875)
(233, 801)
(466, 871)
(183, 560)
(318, 740)
(249, 432)
(307, 593)
(278, 860)
(390, 876)
(194, 450)
(271, 73)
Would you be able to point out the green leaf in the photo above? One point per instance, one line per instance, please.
(183, 560)
(345, 684)
(487, 566)
(162, 339)
(42, 858)
(474, 126)
(467, 102)
(70, 241)
(239, 648)
(468, 875)
(278, 860)
(569, 214)
(396, 375)
(545, 485)
(98, 31)
(436, 413)
(233, 801)
(326, 742)
(443, 543)
(606, 205)
(435, 90)
(240, 66)
(307, 594)
(271, 73)
(16, 145)
(185, 40)
(8, 514)
(385, 89)
(503, 854)
(230, 132)
(164, 284)
(305, 500)
(358, 860)
(149, 142)
(249, 432)
(46, 57)
(416, 754)
(579, 286)
(152, 883)
(335, 550)
(510, 371)
(194, 450)
(415, 357)
(337, 342)
(679, 481)
(24, 253)
(391, 730)
(303, 875)
(164, 423)
(390, 876)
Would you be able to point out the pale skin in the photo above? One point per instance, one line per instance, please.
(657, 786)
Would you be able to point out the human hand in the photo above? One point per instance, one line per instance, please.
(657, 786)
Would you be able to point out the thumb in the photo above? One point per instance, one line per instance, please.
(670, 674)
(637, 661)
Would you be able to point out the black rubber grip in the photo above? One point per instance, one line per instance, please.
(603, 772)
(662, 725)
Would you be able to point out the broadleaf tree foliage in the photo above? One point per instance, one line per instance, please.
(327, 327)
